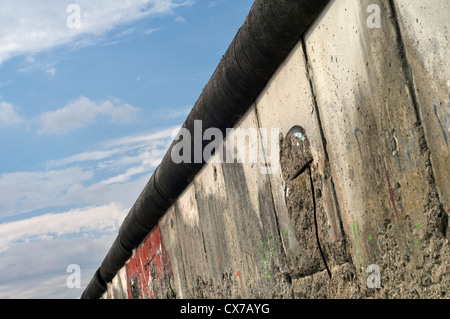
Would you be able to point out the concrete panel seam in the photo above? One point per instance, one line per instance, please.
(315, 221)
(181, 251)
(322, 136)
(270, 185)
(407, 73)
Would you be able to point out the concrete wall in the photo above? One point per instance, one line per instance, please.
(367, 186)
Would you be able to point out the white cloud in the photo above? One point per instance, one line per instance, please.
(114, 171)
(5, 83)
(98, 193)
(214, 3)
(84, 157)
(26, 191)
(150, 31)
(35, 252)
(147, 160)
(32, 64)
(9, 115)
(131, 156)
(51, 71)
(126, 32)
(38, 269)
(173, 113)
(180, 19)
(126, 176)
(83, 111)
(106, 180)
(143, 140)
(27, 28)
(101, 219)
(75, 114)
(48, 286)
(153, 142)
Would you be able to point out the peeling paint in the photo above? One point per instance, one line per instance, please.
(149, 271)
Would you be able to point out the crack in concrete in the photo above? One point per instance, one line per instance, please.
(302, 169)
(315, 221)
(325, 147)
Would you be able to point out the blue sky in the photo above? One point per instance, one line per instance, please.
(86, 114)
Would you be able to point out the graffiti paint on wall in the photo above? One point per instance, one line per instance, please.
(269, 248)
(149, 272)
(374, 242)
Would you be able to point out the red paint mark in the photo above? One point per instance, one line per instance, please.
(392, 195)
(240, 282)
(149, 257)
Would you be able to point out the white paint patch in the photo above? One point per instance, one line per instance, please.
(188, 207)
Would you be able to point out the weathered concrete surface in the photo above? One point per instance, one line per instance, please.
(342, 285)
(425, 31)
(290, 90)
(376, 143)
(296, 159)
(366, 183)
(149, 273)
(117, 289)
